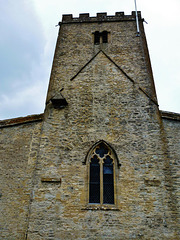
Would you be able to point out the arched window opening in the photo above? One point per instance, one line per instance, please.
(100, 37)
(94, 184)
(104, 36)
(102, 174)
(97, 37)
(108, 181)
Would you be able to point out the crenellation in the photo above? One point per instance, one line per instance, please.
(84, 17)
(67, 17)
(101, 16)
(119, 14)
(138, 13)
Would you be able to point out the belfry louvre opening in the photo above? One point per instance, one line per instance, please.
(100, 37)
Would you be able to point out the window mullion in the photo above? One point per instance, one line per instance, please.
(114, 180)
(101, 181)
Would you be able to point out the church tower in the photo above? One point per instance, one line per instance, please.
(101, 158)
(101, 164)
(84, 40)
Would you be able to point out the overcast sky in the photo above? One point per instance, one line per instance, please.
(28, 37)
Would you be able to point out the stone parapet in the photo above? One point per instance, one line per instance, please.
(100, 17)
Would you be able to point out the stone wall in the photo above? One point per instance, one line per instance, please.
(171, 123)
(18, 145)
(75, 48)
(103, 104)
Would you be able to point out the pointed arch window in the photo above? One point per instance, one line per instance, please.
(102, 164)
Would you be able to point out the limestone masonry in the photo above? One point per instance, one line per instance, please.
(102, 161)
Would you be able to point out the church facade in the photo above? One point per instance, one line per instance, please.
(102, 161)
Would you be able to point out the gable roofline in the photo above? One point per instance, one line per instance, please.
(132, 80)
(21, 120)
(170, 115)
(85, 65)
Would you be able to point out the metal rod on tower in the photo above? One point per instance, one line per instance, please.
(137, 20)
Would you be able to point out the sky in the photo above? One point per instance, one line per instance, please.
(27, 42)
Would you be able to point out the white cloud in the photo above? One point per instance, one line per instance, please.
(22, 51)
(23, 102)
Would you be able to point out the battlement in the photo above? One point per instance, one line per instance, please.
(100, 17)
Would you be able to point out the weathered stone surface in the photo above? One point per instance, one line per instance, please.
(111, 97)
(18, 149)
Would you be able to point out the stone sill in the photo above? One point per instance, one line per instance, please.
(51, 180)
(97, 207)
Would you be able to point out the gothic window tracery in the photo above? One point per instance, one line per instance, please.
(102, 175)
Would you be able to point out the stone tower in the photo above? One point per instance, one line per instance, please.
(102, 160)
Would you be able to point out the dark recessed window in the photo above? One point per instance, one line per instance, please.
(108, 180)
(101, 175)
(97, 37)
(100, 37)
(94, 184)
(104, 36)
